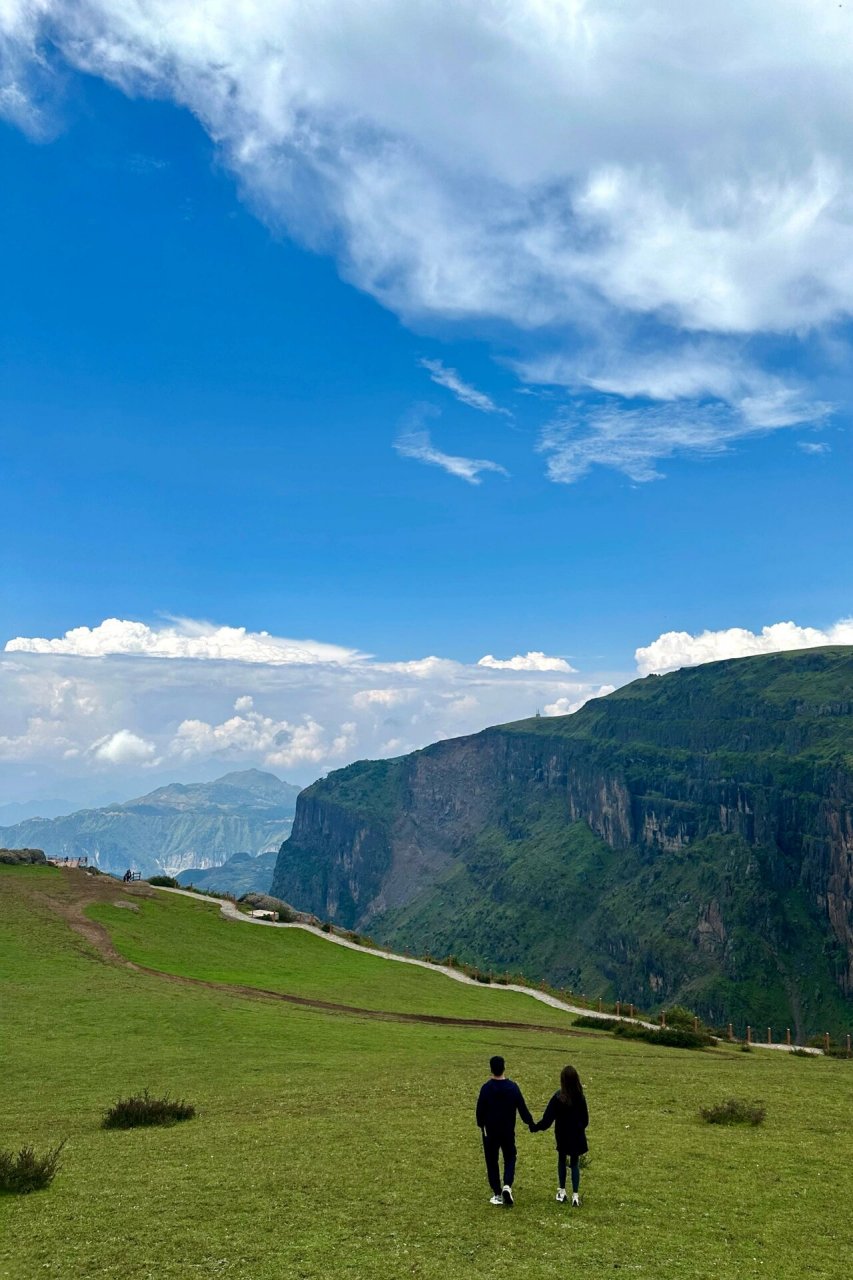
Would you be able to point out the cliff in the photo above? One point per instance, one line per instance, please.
(687, 838)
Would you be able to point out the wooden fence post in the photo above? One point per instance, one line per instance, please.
(788, 1036)
(749, 1035)
(769, 1036)
(826, 1042)
(618, 1008)
(695, 1024)
(599, 1004)
(731, 1032)
(848, 1044)
(663, 1018)
(631, 1010)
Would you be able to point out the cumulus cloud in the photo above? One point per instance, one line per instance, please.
(183, 639)
(548, 208)
(418, 445)
(463, 391)
(813, 446)
(676, 649)
(249, 733)
(67, 720)
(124, 747)
(533, 661)
(568, 706)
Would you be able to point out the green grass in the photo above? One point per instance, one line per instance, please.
(328, 1146)
(182, 936)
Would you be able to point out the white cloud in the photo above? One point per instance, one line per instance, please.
(142, 722)
(463, 391)
(813, 446)
(380, 698)
(533, 661)
(676, 649)
(568, 706)
(124, 747)
(184, 639)
(250, 734)
(548, 206)
(418, 445)
(633, 441)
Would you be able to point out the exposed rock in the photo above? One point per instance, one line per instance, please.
(689, 837)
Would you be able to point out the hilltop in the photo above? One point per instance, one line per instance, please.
(684, 839)
(177, 826)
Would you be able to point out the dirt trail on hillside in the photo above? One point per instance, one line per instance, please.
(82, 891)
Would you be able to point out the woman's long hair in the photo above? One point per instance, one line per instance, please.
(571, 1089)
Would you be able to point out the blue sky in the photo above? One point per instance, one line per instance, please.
(223, 350)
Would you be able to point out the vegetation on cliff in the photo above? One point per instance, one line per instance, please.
(686, 838)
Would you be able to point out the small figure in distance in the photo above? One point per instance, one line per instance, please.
(128, 876)
(568, 1113)
(497, 1105)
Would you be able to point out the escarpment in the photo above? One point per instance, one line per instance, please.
(689, 837)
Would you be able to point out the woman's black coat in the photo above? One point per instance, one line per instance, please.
(570, 1122)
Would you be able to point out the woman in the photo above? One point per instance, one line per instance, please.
(567, 1112)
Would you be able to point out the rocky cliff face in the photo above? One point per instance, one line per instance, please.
(689, 837)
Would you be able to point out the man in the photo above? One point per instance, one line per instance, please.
(497, 1104)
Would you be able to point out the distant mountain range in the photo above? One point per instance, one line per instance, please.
(242, 873)
(688, 838)
(198, 825)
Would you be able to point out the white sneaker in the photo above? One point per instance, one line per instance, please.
(496, 1200)
(507, 1197)
(561, 1196)
(576, 1200)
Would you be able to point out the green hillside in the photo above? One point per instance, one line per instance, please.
(684, 839)
(333, 1145)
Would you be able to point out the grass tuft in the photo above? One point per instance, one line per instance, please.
(141, 1109)
(734, 1111)
(23, 1171)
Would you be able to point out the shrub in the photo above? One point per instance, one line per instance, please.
(734, 1111)
(669, 1037)
(746, 1048)
(680, 1017)
(802, 1053)
(164, 882)
(23, 1171)
(141, 1109)
(597, 1024)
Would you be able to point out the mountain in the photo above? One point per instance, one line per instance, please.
(241, 873)
(688, 838)
(18, 811)
(177, 826)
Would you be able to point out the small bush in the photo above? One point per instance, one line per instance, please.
(803, 1053)
(734, 1111)
(678, 1016)
(597, 1024)
(669, 1037)
(141, 1109)
(746, 1048)
(164, 882)
(23, 1171)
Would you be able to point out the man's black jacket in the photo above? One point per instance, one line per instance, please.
(497, 1105)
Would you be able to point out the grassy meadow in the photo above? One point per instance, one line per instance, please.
(343, 1146)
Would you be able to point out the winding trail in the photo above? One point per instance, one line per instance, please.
(230, 912)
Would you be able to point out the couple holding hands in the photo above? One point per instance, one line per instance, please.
(499, 1101)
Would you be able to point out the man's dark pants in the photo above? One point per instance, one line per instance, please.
(495, 1145)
